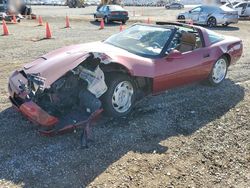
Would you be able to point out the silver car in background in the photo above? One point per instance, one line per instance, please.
(174, 6)
(210, 15)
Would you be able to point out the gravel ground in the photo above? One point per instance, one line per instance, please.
(195, 136)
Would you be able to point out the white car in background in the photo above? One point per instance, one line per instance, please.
(243, 8)
(210, 15)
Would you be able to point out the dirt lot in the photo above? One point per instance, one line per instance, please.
(196, 136)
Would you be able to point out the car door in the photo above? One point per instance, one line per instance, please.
(244, 9)
(240, 8)
(248, 9)
(99, 12)
(187, 67)
(195, 13)
(174, 5)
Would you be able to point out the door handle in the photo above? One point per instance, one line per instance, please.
(206, 55)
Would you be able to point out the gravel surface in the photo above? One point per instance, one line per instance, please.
(195, 136)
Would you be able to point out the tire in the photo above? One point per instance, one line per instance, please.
(181, 18)
(106, 20)
(95, 18)
(216, 76)
(123, 86)
(211, 22)
(124, 22)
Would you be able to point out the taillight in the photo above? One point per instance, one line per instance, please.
(235, 46)
(114, 13)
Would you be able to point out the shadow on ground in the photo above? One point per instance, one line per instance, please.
(38, 161)
(111, 24)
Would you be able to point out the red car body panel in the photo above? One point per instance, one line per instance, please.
(37, 115)
(165, 72)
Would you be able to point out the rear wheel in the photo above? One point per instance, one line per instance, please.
(218, 72)
(95, 18)
(119, 99)
(212, 22)
(181, 18)
(106, 20)
(123, 21)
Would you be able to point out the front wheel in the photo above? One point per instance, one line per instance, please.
(106, 20)
(119, 99)
(218, 72)
(212, 22)
(181, 18)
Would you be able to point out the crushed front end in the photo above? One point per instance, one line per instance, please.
(69, 103)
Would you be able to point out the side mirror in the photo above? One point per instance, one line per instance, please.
(175, 54)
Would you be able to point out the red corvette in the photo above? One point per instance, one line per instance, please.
(69, 86)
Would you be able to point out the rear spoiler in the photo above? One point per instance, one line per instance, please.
(175, 23)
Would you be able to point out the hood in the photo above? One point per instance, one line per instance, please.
(55, 64)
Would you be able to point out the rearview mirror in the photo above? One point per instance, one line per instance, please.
(175, 54)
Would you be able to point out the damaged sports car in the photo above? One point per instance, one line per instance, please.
(70, 86)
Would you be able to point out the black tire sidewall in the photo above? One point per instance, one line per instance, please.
(181, 17)
(112, 82)
(209, 21)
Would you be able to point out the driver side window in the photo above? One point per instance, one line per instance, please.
(185, 40)
(195, 10)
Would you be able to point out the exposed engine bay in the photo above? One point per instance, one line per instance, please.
(74, 99)
(71, 102)
(78, 90)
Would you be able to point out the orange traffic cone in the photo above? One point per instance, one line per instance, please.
(102, 24)
(40, 21)
(48, 32)
(14, 19)
(121, 28)
(5, 29)
(67, 22)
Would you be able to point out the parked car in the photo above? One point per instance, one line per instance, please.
(75, 3)
(231, 4)
(63, 87)
(210, 15)
(8, 9)
(111, 13)
(243, 8)
(174, 6)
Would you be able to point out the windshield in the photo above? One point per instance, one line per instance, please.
(142, 40)
(115, 8)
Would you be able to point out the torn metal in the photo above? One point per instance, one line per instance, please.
(71, 102)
